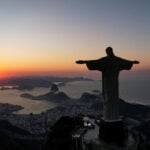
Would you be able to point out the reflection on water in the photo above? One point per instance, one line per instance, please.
(13, 97)
(8, 87)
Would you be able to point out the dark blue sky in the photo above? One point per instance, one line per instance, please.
(44, 30)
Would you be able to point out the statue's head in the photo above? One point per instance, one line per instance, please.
(109, 51)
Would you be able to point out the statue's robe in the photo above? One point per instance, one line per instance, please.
(110, 66)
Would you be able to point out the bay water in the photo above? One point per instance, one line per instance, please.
(135, 91)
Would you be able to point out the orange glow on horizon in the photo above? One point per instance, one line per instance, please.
(61, 70)
(68, 68)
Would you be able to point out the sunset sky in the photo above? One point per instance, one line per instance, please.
(46, 37)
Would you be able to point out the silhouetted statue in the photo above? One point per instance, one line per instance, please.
(110, 66)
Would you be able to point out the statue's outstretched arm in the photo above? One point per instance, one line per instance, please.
(135, 62)
(81, 61)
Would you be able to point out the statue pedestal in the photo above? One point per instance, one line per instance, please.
(112, 131)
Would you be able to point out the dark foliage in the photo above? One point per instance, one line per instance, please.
(60, 136)
(7, 143)
(7, 126)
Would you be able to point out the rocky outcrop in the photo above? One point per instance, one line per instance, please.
(59, 97)
(88, 98)
(54, 88)
(9, 108)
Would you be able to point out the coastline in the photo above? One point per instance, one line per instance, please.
(74, 90)
(6, 108)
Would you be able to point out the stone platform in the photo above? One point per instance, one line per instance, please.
(112, 131)
(110, 141)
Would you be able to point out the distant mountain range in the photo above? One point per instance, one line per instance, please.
(31, 82)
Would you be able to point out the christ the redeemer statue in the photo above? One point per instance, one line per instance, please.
(110, 66)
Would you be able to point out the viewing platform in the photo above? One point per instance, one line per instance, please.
(87, 138)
